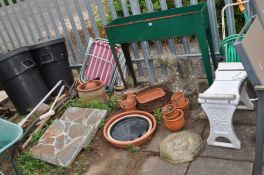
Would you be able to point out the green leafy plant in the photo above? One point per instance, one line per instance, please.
(90, 148)
(36, 136)
(109, 105)
(84, 103)
(158, 115)
(29, 165)
(113, 102)
(102, 123)
(133, 148)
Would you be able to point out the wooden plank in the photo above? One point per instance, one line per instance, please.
(3, 96)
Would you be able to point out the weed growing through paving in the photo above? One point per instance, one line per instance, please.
(90, 148)
(133, 148)
(29, 165)
(158, 115)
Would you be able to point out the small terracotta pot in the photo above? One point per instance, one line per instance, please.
(131, 99)
(127, 106)
(90, 84)
(175, 124)
(136, 142)
(119, 88)
(169, 111)
(178, 98)
(97, 93)
(185, 107)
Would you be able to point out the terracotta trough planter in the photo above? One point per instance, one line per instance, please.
(137, 141)
(150, 95)
(92, 91)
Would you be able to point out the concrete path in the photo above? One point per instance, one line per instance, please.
(213, 161)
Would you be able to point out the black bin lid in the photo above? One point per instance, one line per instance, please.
(47, 43)
(12, 53)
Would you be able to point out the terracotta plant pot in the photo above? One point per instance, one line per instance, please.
(90, 84)
(185, 107)
(97, 93)
(125, 106)
(124, 117)
(131, 99)
(137, 141)
(169, 111)
(119, 88)
(175, 124)
(178, 98)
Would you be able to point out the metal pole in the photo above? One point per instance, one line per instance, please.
(52, 20)
(29, 7)
(133, 45)
(145, 46)
(12, 26)
(230, 18)
(185, 41)
(67, 35)
(163, 6)
(43, 18)
(84, 27)
(92, 19)
(213, 23)
(27, 22)
(74, 28)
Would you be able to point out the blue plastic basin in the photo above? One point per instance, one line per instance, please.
(10, 133)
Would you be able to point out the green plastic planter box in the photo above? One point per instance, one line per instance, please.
(185, 21)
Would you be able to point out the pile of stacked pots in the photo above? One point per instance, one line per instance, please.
(174, 114)
(92, 90)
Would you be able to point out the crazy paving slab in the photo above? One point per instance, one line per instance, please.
(65, 138)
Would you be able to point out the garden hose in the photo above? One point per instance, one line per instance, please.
(227, 45)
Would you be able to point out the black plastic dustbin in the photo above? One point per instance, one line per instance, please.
(52, 60)
(21, 79)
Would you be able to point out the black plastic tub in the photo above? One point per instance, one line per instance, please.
(21, 79)
(52, 60)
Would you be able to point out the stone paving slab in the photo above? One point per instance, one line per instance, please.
(155, 166)
(118, 162)
(196, 126)
(88, 117)
(209, 166)
(244, 117)
(246, 134)
(65, 138)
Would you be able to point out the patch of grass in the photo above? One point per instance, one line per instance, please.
(133, 148)
(158, 115)
(36, 136)
(102, 123)
(89, 148)
(29, 165)
(113, 102)
(109, 105)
